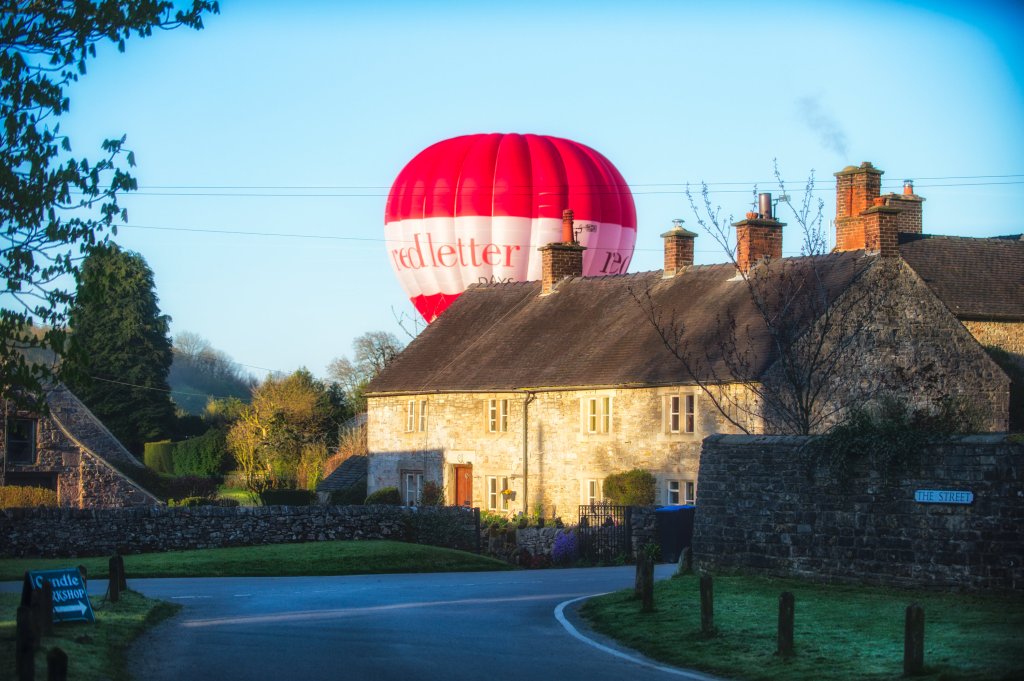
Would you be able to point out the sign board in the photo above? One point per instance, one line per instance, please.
(70, 600)
(943, 496)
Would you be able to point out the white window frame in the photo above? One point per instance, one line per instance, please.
(492, 493)
(681, 413)
(592, 492)
(672, 492)
(410, 417)
(497, 415)
(685, 492)
(597, 416)
(689, 492)
(412, 488)
(422, 421)
(504, 499)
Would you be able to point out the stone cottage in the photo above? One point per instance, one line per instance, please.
(525, 396)
(68, 450)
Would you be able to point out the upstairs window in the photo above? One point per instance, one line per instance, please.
(497, 416)
(21, 440)
(680, 412)
(416, 416)
(597, 416)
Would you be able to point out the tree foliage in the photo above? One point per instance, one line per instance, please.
(200, 372)
(120, 372)
(287, 417)
(635, 487)
(54, 206)
(372, 352)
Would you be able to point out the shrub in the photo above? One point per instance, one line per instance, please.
(432, 494)
(353, 495)
(159, 456)
(388, 496)
(17, 496)
(310, 469)
(632, 488)
(205, 455)
(183, 486)
(566, 548)
(287, 497)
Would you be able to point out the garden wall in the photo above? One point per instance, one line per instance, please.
(763, 508)
(65, 532)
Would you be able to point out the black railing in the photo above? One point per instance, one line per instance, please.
(605, 533)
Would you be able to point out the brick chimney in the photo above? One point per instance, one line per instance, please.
(858, 195)
(561, 260)
(759, 236)
(678, 249)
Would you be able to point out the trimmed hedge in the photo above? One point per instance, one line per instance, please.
(287, 497)
(632, 488)
(353, 495)
(387, 496)
(17, 496)
(205, 455)
(159, 456)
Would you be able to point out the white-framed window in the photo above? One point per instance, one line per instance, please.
(597, 417)
(416, 416)
(680, 492)
(412, 487)
(504, 497)
(497, 416)
(492, 493)
(592, 491)
(680, 413)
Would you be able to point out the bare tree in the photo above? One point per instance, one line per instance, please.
(372, 352)
(787, 368)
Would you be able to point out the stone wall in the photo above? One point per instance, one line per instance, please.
(86, 459)
(762, 511)
(563, 457)
(1008, 336)
(64, 532)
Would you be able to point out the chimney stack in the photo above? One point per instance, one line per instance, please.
(678, 249)
(759, 236)
(858, 200)
(561, 260)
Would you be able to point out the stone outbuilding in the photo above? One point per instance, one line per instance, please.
(523, 397)
(69, 451)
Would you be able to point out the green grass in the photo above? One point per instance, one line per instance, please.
(239, 494)
(278, 560)
(95, 651)
(841, 632)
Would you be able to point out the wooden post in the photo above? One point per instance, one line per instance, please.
(24, 646)
(913, 640)
(638, 580)
(113, 580)
(707, 605)
(786, 613)
(46, 608)
(36, 617)
(647, 592)
(123, 579)
(56, 665)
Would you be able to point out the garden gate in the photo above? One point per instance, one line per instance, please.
(606, 533)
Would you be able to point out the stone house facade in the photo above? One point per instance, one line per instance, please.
(525, 396)
(68, 450)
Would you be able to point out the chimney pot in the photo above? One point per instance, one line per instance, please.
(764, 205)
(908, 186)
(567, 222)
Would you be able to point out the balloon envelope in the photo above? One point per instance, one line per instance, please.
(476, 208)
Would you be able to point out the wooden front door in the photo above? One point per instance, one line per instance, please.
(463, 485)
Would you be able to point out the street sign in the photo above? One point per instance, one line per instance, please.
(943, 496)
(70, 600)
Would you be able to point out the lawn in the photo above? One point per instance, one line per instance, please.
(841, 632)
(95, 651)
(277, 560)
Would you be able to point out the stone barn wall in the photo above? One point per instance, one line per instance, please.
(761, 510)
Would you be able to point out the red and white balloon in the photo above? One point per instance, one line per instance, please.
(476, 208)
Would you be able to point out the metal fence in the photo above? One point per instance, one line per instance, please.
(605, 533)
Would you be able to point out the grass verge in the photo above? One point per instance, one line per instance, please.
(277, 560)
(841, 632)
(95, 651)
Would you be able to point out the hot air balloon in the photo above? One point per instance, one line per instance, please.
(476, 208)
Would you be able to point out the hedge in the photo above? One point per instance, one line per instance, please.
(204, 455)
(632, 488)
(287, 497)
(159, 456)
(385, 495)
(17, 496)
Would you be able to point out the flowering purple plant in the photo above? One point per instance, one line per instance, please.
(566, 548)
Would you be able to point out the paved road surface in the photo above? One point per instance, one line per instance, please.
(471, 626)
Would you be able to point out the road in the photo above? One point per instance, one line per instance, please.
(453, 626)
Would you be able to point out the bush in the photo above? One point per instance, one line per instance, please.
(432, 494)
(184, 486)
(388, 496)
(566, 549)
(287, 497)
(205, 455)
(17, 496)
(632, 488)
(353, 495)
(159, 456)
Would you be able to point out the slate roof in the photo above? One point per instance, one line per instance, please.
(590, 332)
(977, 278)
(351, 471)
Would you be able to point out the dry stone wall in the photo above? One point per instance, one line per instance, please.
(760, 511)
(64, 532)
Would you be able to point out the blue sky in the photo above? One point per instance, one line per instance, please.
(292, 120)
